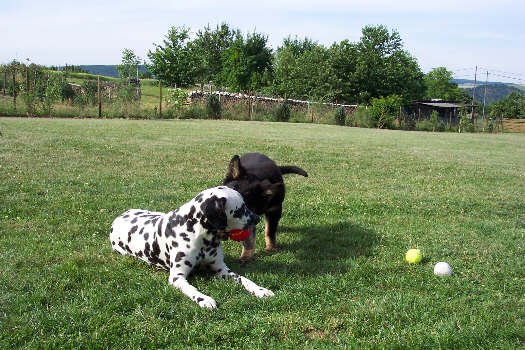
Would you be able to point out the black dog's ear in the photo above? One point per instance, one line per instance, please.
(214, 211)
(235, 169)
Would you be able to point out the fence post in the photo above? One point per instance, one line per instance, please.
(28, 98)
(14, 88)
(250, 106)
(5, 80)
(99, 99)
(160, 100)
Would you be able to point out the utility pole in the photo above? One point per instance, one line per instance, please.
(474, 95)
(485, 94)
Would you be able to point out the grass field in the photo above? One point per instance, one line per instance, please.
(339, 277)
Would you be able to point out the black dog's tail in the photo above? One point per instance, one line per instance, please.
(293, 170)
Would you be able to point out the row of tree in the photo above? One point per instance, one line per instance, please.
(512, 106)
(345, 72)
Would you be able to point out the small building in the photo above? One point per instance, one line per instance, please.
(447, 110)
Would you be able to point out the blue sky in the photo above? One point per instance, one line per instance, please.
(456, 34)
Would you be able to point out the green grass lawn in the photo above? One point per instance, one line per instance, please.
(339, 277)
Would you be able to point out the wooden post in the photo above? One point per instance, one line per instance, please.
(250, 106)
(5, 80)
(28, 84)
(99, 99)
(14, 88)
(28, 88)
(160, 99)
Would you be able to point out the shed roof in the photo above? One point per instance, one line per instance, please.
(440, 104)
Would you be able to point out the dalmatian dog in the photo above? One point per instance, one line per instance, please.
(188, 237)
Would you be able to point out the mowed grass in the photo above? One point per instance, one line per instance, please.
(339, 277)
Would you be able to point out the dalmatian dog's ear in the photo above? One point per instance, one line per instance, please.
(214, 210)
(235, 169)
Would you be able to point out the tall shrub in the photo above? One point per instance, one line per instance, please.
(340, 116)
(384, 110)
(213, 107)
(282, 113)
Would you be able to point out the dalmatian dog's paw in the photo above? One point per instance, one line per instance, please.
(263, 293)
(206, 302)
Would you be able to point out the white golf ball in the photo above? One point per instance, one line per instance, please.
(442, 269)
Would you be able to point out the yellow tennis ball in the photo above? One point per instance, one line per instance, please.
(413, 256)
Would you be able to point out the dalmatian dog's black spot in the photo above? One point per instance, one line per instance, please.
(186, 238)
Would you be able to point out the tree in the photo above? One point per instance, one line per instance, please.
(129, 66)
(302, 70)
(208, 48)
(438, 84)
(383, 68)
(247, 63)
(343, 58)
(174, 62)
(512, 106)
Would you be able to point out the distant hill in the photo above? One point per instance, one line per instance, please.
(495, 92)
(471, 82)
(106, 70)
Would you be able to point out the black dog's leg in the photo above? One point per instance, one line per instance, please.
(248, 248)
(271, 219)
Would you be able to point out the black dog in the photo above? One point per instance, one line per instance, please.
(260, 182)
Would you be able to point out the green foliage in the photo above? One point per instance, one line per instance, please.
(360, 118)
(213, 107)
(340, 116)
(282, 112)
(492, 92)
(512, 106)
(90, 92)
(66, 92)
(176, 98)
(434, 119)
(174, 62)
(302, 70)
(384, 110)
(194, 111)
(247, 63)
(383, 68)
(129, 66)
(209, 49)
(465, 124)
(429, 125)
(439, 85)
(127, 93)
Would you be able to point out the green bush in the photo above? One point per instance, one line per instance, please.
(465, 124)
(362, 118)
(424, 125)
(340, 116)
(90, 88)
(176, 98)
(384, 111)
(193, 111)
(66, 91)
(282, 113)
(127, 93)
(434, 120)
(213, 107)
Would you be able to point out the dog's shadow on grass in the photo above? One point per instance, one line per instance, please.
(315, 249)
